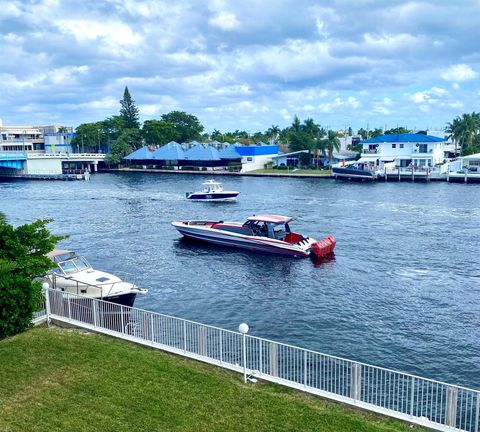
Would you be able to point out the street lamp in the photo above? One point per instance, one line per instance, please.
(243, 329)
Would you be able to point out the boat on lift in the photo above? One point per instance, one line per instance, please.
(359, 171)
(73, 274)
(212, 191)
(261, 233)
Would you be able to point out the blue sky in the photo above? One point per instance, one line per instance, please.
(244, 65)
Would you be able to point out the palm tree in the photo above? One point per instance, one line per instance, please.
(273, 132)
(296, 125)
(332, 143)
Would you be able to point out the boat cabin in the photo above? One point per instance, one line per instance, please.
(68, 262)
(211, 186)
(271, 226)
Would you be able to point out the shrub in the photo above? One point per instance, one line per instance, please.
(204, 168)
(22, 259)
(282, 167)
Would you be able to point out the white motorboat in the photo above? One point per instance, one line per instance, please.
(75, 275)
(212, 191)
(260, 233)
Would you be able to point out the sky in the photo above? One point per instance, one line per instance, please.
(245, 65)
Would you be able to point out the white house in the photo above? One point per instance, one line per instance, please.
(404, 150)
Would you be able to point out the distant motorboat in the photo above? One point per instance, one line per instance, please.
(212, 191)
(356, 171)
(260, 233)
(73, 274)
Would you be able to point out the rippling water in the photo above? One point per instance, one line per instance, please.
(402, 292)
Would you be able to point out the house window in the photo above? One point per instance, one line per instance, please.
(422, 148)
(394, 145)
(401, 145)
(249, 159)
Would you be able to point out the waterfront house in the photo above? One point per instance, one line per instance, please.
(404, 151)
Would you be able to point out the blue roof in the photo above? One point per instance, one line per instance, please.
(403, 138)
(257, 150)
(143, 153)
(229, 152)
(202, 153)
(170, 151)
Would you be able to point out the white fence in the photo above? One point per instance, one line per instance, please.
(426, 402)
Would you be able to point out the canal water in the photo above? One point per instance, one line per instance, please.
(402, 292)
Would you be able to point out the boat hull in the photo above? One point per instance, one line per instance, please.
(344, 173)
(253, 244)
(221, 196)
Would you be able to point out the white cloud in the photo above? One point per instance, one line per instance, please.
(68, 74)
(224, 20)
(459, 72)
(114, 37)
(429, 96)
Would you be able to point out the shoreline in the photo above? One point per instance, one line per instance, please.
(215, 173)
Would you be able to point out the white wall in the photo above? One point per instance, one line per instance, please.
(44, 166)
(256, 162)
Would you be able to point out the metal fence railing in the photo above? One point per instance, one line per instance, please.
(422, 401)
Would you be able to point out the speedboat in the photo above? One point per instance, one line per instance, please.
(73, 274)
(212, 191)
(260, 233)
(355, 171)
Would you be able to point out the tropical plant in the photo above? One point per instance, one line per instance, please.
(464, 130)
(22, 259)
(332, 143)
(273, 132)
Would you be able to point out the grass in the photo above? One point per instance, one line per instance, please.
(67, 380)
(290, 172)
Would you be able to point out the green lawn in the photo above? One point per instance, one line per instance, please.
(289, 172)
(66, 380)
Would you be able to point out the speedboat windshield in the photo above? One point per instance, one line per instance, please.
(81, 263)
(74, 265)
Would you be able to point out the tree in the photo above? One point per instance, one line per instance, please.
(159, 132)
(332, 143)
(88, 137)
(296, 125)
(300, 141)
(186, 125)
(397, 130)
(129, 111)
(113, 127)
(22, 259)
(128, 141)
(273, 132)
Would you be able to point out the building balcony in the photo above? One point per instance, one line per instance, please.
(370, 151)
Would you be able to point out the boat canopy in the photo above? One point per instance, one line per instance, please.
(270, 218)
(367, 159)
(57, 252)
